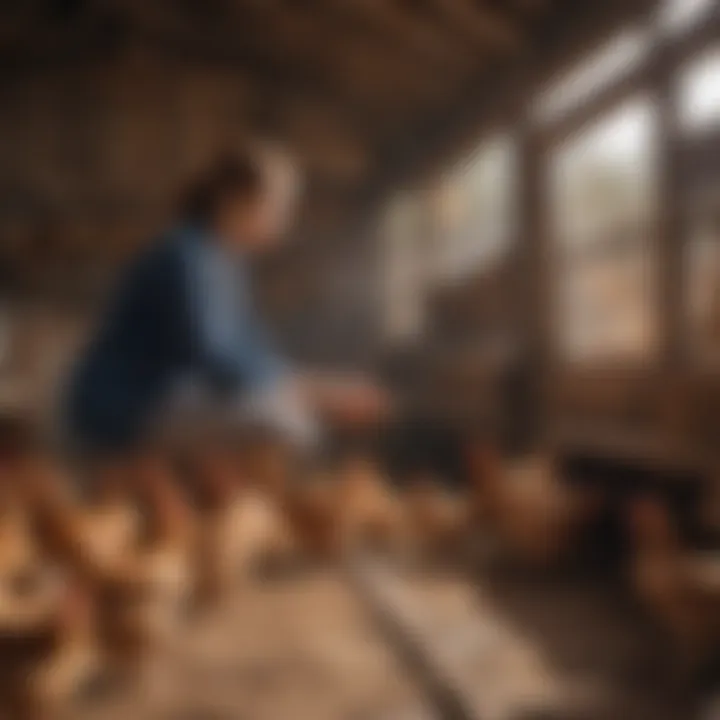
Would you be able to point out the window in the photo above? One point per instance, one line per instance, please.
(700, 92)
(475, 209)
(404, 235)
(677, 16)
(615, 59)
(602, 207)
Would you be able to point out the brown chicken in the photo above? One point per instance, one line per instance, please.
(369, 512)
(438, 520)
(47, 642)
(681, 588)
(527, 508)
(20, 555)
(267, 464)
(110, 521)
(47, 654)
(241, 526)
(311, 512)
(139, 592)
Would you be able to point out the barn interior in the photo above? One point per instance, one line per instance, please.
(511, 216)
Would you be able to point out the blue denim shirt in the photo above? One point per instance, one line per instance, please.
(183, 308)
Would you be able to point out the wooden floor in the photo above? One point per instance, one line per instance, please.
(382, 645)
(517, 649)
(300, 649)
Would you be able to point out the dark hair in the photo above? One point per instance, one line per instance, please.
(233, 174)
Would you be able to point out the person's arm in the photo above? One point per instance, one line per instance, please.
(232, 349)
(345, 398)
(228, 344)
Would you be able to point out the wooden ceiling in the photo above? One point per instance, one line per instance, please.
(344, 83)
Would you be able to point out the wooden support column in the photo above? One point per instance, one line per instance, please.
(671, 239)
(533, 282)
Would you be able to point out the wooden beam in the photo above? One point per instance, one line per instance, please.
(530, 6)
(407, 28)
(671, 298)
(424, 150)
(487, 27)
(41, 46)
(291, 51)
(635, 82)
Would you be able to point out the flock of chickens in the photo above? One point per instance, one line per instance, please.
(95, 584)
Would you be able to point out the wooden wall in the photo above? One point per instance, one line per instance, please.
(93, 156)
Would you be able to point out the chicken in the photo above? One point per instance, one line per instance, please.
(241, 526)
(47, 654)
(47, 650)
(528, 509)
(19, 553)
(311, 511)
(20, 557)
(267, 465)
(369, 513)
(146, 593)
(437, 519)
(28, 581)
(681, 588)
(139, 592)
(110, 523)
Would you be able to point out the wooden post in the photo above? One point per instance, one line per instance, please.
(671, 240)
(533, 264)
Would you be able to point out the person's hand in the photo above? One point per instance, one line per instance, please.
(360, 403)
(352, 400)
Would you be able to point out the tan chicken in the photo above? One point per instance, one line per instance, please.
(681, 588)
(528, 509)
(370, 513)
(267, 464)
(139, 594)
(47, 654)
(438, 520)
(311, 510)
(47, 642)
(20, 556)
(241, 525)
(110, 521)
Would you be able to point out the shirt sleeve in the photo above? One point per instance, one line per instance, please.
(230, 347)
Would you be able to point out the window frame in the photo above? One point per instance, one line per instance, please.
(460, 179)
(563, 255)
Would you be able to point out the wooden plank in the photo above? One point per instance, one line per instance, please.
(470, 656)
(489, 101)
(408, 29)
(404, 622)
(300, 648)
(507, 645)
(484, 25)
(671, 299)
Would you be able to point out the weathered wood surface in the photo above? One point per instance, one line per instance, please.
(298, 649)
(509, 648)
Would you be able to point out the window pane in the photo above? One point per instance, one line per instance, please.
(700, 92)
(613, 60)
(602, 207)
(476, 209)
(403, 235)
